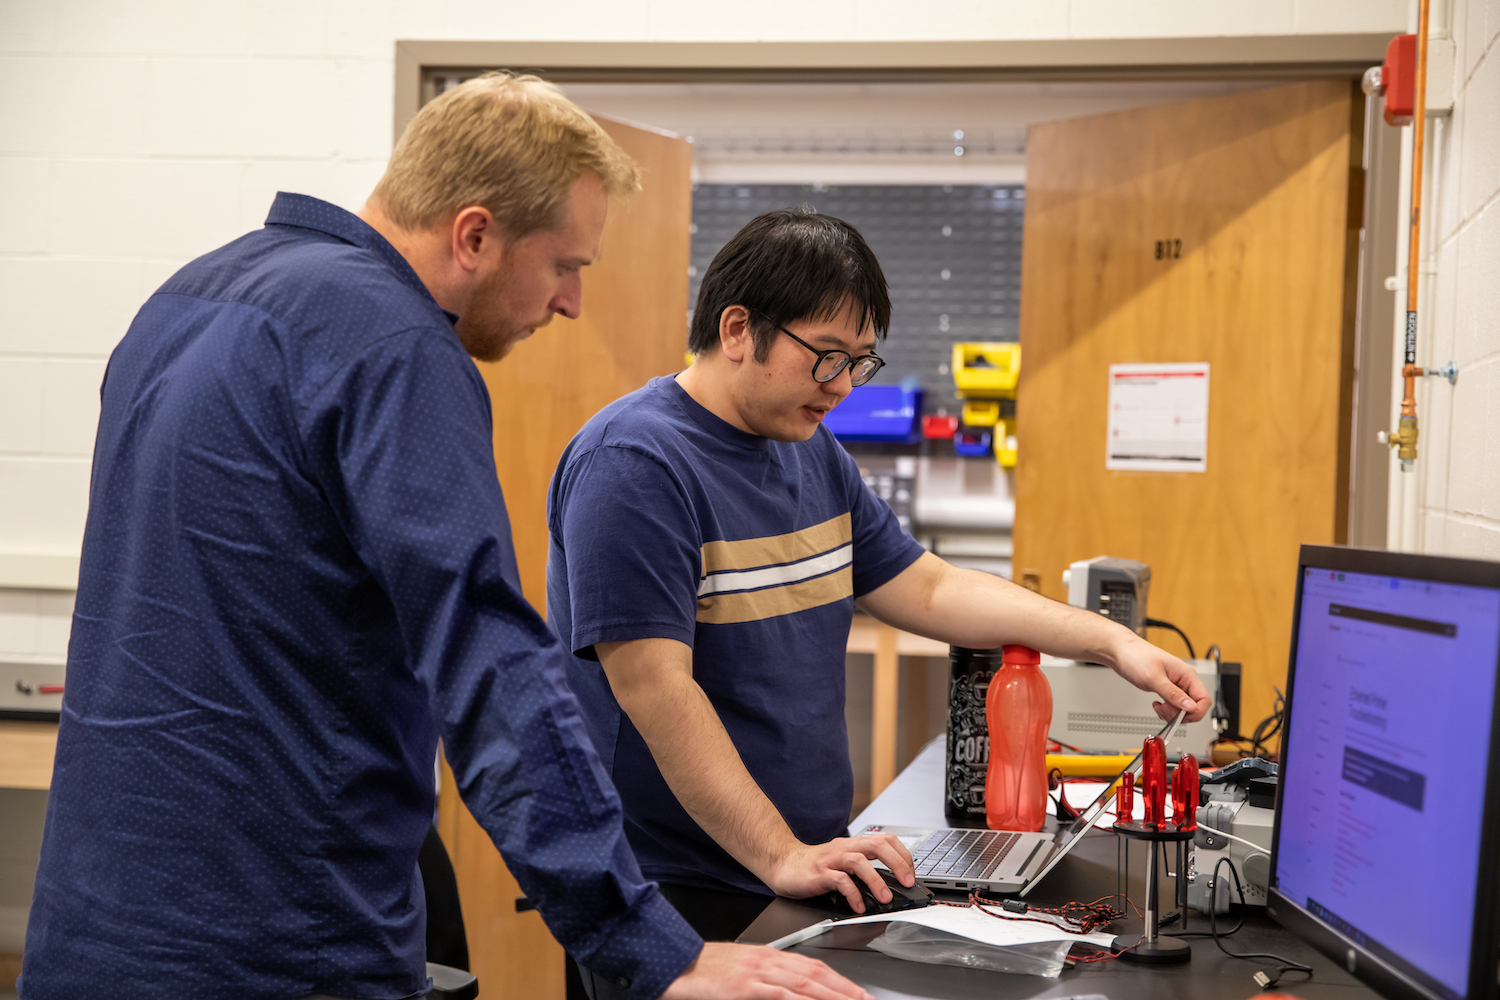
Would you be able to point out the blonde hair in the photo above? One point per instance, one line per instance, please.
(512, 144)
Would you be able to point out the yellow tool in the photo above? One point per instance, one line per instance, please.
(985, 374)
(1086, 765)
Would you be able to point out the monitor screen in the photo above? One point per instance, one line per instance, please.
(1386, 762)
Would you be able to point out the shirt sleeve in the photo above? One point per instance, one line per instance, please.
(881, 549)
(632, 549)
(400, 439)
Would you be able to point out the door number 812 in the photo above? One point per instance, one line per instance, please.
(1168, 249)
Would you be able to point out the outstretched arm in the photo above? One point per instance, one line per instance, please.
(980, 611)
(653, 681)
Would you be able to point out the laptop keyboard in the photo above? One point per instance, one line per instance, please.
(966, 854)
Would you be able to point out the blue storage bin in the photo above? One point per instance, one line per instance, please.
(971, 442)
(878, 413)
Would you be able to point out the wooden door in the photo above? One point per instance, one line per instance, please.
(632, 328)
(1263, 191)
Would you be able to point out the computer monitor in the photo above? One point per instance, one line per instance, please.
(1385, 844)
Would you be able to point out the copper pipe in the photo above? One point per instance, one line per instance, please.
(1406, 436)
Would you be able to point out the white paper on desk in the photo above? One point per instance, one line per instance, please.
(969, 922)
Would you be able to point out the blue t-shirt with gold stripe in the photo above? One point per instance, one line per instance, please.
(668, 522)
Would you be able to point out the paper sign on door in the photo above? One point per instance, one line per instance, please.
(1158, 418)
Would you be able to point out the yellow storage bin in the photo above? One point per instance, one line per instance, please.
(1005, 443)
(981, 412)
(986, 370)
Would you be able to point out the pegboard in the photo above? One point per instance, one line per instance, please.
(951, 253)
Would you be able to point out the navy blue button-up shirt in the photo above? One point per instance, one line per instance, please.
(297, 574)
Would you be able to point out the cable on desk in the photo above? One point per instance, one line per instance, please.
(1262, 978)
(1066, 812)
(1104, 956)
(1075, 917)
(1213, 931)
(1238, 840)
(1223, 934)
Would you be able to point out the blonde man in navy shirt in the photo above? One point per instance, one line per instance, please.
(710, 541)
(297, 574)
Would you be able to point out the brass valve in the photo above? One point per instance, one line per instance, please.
(1404, 440)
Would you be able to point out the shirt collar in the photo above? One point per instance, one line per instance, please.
(708, 420)
(307, 212)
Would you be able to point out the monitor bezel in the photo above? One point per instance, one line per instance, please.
(1374, 970)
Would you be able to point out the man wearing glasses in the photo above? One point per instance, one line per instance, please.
(709, 543)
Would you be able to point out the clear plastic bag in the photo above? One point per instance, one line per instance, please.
(916, 943)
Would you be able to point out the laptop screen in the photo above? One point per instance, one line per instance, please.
(1386, 760)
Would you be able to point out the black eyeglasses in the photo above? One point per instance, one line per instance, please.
(830, 363)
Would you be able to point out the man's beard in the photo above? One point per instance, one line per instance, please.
(489, 330)
(484, 344)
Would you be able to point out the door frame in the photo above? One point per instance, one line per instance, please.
(1269, 57)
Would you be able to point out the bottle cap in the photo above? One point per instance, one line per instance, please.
(1021, 656)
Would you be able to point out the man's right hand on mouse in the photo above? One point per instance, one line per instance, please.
(813, 869)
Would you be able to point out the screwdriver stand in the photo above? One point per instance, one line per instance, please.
(1156, 948)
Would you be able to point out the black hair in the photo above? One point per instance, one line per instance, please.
(787, 265)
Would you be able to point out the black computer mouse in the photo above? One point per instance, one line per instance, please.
(902, 897)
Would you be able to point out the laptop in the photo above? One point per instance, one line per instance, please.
(999, 862)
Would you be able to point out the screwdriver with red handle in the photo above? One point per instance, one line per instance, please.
(1125, 797)
(1154, 782)
(1185, 793)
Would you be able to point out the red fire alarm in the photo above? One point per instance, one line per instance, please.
(1398, 79)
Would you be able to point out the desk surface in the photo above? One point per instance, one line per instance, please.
(914, 799)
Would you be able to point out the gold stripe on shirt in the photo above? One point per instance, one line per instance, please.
(755, 605)
(750, 553)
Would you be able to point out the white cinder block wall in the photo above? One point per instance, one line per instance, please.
(1460, 447)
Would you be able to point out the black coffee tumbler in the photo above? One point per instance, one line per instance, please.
(968, 734)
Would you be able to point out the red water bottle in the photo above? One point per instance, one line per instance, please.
(1125, 798)
(1154, 782)
(1018, 708)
